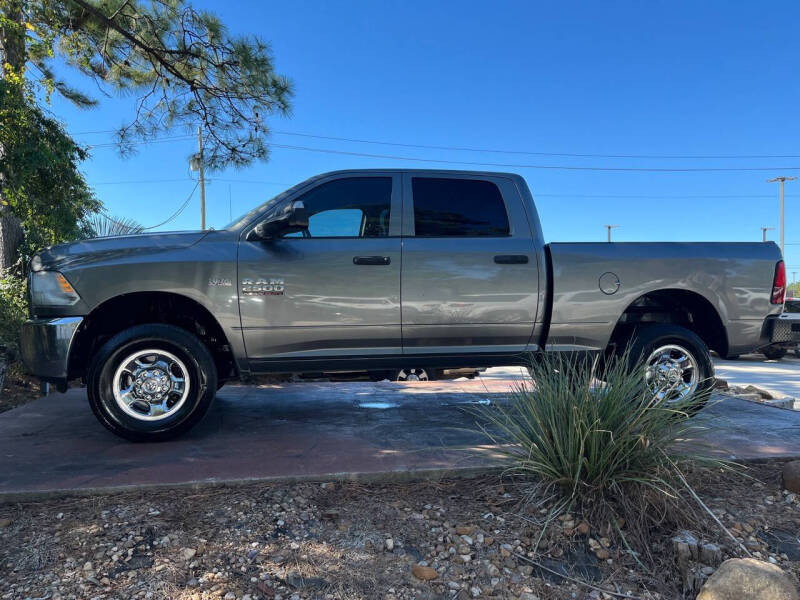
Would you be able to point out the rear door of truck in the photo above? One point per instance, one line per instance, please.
(470, 280)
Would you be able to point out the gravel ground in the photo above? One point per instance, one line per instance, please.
(445, 539)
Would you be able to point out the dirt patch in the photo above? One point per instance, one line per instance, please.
(446, 539)
(18, 388)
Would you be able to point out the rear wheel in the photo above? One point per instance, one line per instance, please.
(151, 382)
(678, 362)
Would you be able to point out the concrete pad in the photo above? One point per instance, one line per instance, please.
(309, 430)
(780, 378)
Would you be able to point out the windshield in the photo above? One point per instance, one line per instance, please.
(267, 207)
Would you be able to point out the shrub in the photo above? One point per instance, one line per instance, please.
(596, 439)
(13, 311)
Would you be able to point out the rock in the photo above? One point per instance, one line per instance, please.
(686, 546)
(601, 553)
(4, 523)
(330, 514)
(782, 541)
(389, 544)
(739, 578)
(230, 596)
(188, 553)
(785, 402)
(583, 528)
(463, 530)
(710, 554)
(791, 476)
(424, 573)
(720, 384)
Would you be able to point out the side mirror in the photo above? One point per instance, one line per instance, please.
(292, 218)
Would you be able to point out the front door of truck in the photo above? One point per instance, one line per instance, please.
(470, 274)
(332, 292)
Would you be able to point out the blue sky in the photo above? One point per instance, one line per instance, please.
(621, 78)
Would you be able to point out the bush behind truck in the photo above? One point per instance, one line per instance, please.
(375, 270)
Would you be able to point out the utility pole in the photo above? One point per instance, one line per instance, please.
(764, 231)
(782, 180)
(203, 179)
(609, 228)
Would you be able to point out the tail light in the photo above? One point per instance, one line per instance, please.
(779, 284)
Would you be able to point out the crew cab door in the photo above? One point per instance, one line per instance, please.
(470, 274)
(332, 292)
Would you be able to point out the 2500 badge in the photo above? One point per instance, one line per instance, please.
(263, 287)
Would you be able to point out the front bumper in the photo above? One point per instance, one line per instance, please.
(785, 329)
(46, 344)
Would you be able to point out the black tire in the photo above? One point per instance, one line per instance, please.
(647, 338)
(201, 376)
(773, 353)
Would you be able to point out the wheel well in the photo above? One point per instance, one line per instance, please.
(679, 307)
(122, 312)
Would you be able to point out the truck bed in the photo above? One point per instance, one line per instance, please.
(733, 278)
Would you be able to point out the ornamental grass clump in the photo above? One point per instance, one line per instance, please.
(596, 439)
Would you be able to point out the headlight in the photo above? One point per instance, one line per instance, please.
(51, 288)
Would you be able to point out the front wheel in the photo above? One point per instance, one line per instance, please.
(151, 382)
(678, 363)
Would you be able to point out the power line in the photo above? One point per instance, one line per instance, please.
(141, 142)
(177, 212)
(537, 195)
(208, 180)
(138, 181)
(172, 217)
(495, 150)
(528, 166)
(528, 152)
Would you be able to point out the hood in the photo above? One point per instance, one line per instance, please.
(73, 254)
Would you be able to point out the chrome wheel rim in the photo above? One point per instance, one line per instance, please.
(412, 375)
(672, 373)
(151, 385)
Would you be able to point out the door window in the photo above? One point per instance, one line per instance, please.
(352, 207)
(445, 207)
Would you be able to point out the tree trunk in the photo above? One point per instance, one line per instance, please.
(3, 368)
(12, 59)
(11, 236)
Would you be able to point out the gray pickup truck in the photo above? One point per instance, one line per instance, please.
(376, 270)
